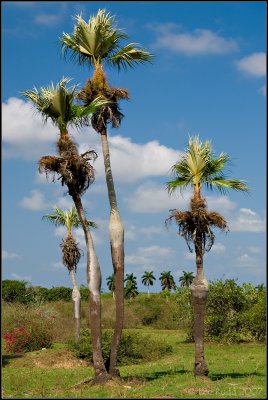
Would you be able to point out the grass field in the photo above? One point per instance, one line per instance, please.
(236, 371)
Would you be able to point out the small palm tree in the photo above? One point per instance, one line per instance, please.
(96, 43)
(110, 283)
(186, 279)
(70, 253)
(75, 171)
(131, 289)
(148, 279)
(197, 168)
(167, 281)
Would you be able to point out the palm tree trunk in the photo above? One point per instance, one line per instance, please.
(116, 232)
(76, 297)
(94, 285)
(199, 293)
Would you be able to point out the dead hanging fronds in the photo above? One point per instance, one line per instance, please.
(195, 226)
(109, 113)
(73, 170)
(71, 254)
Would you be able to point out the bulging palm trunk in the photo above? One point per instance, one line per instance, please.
(94, 285)
(76, 298)
(199, 293)
(116, 232)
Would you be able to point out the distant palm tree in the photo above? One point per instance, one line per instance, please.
(110, 283)
(75, 171)
(199, 167)
(167, 281)
(94, 44)
(131, 288)
(148, 279)
(70, 253)
(186, 279)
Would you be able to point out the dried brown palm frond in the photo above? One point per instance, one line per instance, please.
(71, 254)
(98, 86)
(195, 226)
(74, 171)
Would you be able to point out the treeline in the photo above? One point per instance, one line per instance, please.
(234, 313)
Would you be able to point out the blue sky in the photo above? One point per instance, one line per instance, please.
(208, 77)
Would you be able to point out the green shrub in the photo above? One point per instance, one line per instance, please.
(14, 291)
(59, 293)
(36, 335)
(135, 347)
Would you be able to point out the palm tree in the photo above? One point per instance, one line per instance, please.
(148, 279)
(199, 167)
(95, 43)
(131, 289)
(70, 254)
(75, 171)
(186, 279)
(110, 283)
(167, 281)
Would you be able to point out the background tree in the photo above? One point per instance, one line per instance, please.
(167, 281)
(131, 288)
(148, 279)
(70, 254)
(96, 43)
(75, 171)
(186, 279)
(199, 167)
(110, 283)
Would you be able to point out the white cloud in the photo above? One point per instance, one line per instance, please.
(57, 265)
(222, 203)
(151, 256)
(6, 255)
(47, 19)
(151, 197)
(133, 161)
(262, 90)
(246, 260)
(35, 202)
(24, 134)
(247, 221)
(254, 64)
(255, 249)
(218, 248)
(198, 42)
(21, 278)
(132, 232)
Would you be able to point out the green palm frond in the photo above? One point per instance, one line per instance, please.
(58, 104)
(99, 40)
(199, 166)
(66, 218)
(129, 56)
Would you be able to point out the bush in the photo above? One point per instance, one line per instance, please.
(14, 291)
(59, 293)
(35, 336)
(235, 313)
(135, 347)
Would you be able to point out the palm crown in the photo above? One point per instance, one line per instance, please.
(148, 278)
(99, 41)
(199, 166)
(66, 218)
(58, 104)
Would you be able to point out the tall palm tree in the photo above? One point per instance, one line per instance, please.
(199, 167)
(70, 253)
(110, 283)
(96, 43)
(186, 279)
(75, 171)
(148, 279)
(131, 288)
(167, 281)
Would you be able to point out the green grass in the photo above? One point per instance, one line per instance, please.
(236, 371)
